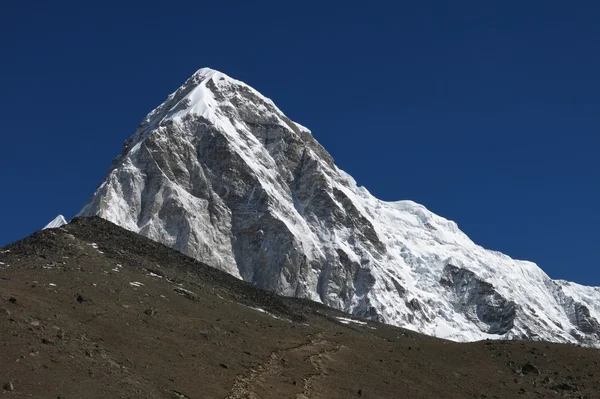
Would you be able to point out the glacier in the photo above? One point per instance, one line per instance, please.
(219, 173)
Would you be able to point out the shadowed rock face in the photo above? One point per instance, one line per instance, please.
(584, 320)
(477, 299)
(587, 328)
(219, 173)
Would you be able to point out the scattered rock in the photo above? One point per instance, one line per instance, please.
(157, 272)
(223, 365)
(82, 299)
(565, 387)
(150, 312)
(188, 294)
(9, 387)
(46, 341)
(12, 299)
(529, 368)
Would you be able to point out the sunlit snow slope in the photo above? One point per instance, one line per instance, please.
(56, 222)
(220, 173)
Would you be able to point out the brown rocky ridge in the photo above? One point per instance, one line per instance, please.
(90, 310)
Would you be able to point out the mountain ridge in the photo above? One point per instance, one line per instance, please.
(219, 173)
(91, 310)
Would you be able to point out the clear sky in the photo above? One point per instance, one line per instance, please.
(485, 112)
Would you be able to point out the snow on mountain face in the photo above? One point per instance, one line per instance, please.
(219, 173)
(56, 222)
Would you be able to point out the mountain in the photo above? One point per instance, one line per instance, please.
(56, 222)
(219, 173)
(91, 310)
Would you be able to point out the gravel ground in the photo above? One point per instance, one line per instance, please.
(90, 310)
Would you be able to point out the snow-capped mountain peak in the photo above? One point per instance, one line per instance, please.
(220, 173)
(56, 222)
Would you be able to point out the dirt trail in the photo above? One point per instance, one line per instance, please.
(314, 352)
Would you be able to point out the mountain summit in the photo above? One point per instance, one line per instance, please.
(219, 173)
(56, 222)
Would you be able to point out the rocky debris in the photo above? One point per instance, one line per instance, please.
(150, 311)
(8, 386)
(529, 368)
(186, 293)
(82, 299)
(547, 380)
(12, 299)
(155, 272)
(178, 395)
(563, 386)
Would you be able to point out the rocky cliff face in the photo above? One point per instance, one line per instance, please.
(219, 173)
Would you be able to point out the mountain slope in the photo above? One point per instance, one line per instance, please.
(90, 310)
(219, 173)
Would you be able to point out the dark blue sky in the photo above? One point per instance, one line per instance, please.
(486, 114)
